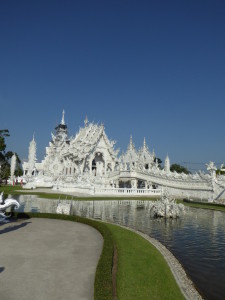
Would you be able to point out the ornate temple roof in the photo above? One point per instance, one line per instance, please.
(87, 139)
(131, 155)
(144, 154)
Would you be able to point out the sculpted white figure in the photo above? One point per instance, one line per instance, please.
(6, 204)
(63, 208)
(166, 207)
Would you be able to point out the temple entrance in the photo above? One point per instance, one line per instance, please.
(141, 184)
(93, 168)
(125, 184)
(98, 165)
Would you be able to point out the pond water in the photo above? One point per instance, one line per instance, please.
(197, 239)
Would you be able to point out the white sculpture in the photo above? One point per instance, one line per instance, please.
(166, 207)
(63, 208)
(6, 204)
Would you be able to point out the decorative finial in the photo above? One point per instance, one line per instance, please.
(153, 153)
(63, 120)
(131, 141)
(144, 145)
(86, 121)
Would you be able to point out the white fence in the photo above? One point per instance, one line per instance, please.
(125, 191)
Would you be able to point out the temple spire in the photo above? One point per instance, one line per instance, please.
(63, 118)
(167, 164)
(144, 144)
(86, 121)
(131, 141)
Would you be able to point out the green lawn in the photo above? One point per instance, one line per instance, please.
(142, 271)
(212, 206)
(9, 189)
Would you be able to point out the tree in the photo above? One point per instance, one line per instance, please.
(6, 156)
(159, 162)
(179, 169)
(221, 170)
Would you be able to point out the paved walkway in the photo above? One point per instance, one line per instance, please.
(43, 259)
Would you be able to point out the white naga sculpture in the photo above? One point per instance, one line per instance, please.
(4, 204)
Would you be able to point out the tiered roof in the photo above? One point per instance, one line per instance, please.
(145, 155)
(87, 139)
(131, 155)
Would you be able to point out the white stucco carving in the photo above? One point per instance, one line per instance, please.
(166, 207)
(63, 208)
(4, 204)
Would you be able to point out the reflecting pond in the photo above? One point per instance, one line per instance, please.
(197, 239)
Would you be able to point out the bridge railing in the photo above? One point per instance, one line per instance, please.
(127, 191)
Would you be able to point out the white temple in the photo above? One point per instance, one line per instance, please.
(88, 163)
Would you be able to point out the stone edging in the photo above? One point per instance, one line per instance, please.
(185, 284)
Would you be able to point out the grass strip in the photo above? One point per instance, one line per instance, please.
(103, 288)
(142, 271)
(8, 189)
(204, 205)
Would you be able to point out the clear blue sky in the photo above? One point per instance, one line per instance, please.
(153, 69)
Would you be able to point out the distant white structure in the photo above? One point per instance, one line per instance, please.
(29, 166)
(167, 164)
(89, 163)
(13, 166)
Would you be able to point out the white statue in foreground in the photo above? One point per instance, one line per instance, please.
(167, 207)
(6, 204)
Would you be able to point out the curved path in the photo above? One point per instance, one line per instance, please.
(48, 259)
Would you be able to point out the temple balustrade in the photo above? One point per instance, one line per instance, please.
(127, 191)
